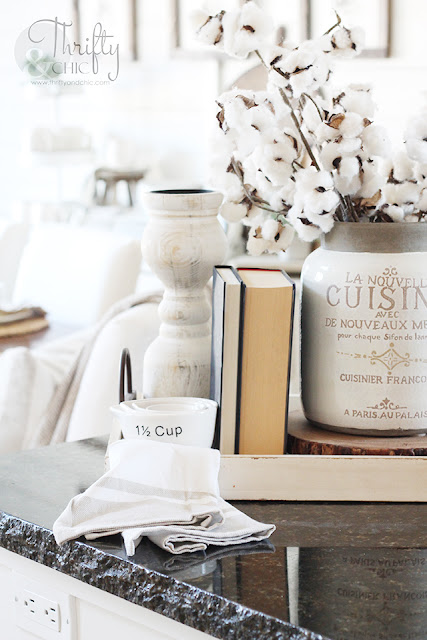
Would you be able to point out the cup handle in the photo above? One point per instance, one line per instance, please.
(126, 371)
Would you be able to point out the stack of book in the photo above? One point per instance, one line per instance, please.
(20, 321)
(251, 348)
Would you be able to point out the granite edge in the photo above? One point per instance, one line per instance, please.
(157, 592)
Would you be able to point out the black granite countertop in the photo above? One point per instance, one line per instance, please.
(346, 571)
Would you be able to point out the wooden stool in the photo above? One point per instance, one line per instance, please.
(110, 178)
(304, 438)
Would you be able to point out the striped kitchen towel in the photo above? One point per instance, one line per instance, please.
(166, 492)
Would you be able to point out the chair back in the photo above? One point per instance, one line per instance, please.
(13, 238)
(76, 273)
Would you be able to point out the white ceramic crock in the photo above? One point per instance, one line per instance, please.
(364, 330)
(186, 421)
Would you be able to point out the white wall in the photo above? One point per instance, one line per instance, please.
(409, 30)
(163, 105)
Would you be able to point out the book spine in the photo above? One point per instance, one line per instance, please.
(217, 349)
(291, 333)
(240, 357)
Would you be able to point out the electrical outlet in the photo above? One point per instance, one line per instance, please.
(43, 611)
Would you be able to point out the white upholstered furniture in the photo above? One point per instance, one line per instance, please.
(134, 329)
(75, 273)
(13, 238)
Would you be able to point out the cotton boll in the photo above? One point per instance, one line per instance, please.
(255, 27)
(250, 169)
(325, 133)
(234, 113)
(246, 30)
(417, 149)
(247, 140)
(251, 15)
(409, 193)
(391, 194)
(310, 179)
(422, 202)
(359, 101)
(403, 167)
(311, 116)
(375, 141)
(351, 125)
(342, 38)
(277, 170)
(255, 217)
(301, 82)
(325, 221)
(348, 186)
(299, 67)
(270, 229)
(272, 54)
(286, 145)
(350, 146)
(347, 43)
(210, 31)
(256, 243)
(235, 105)
(282, 112)
(298, 59)
(233, 211)
(218, 164)
(230, 185)
(321, 71)
(417, 128)
(333, 153)
(396, 213)
(287, 234)
(305, 230)
(421, 173)
(403, 194)
(275, 160)
(283, 197)
(323, 43)
(349, 168)
(276, 80)
(265, 188)
(372, 181)
(319, 203)
(223, 149)
(411, 217)
(260, 117)
(229, 26)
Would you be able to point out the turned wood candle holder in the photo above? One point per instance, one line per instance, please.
(182, 242)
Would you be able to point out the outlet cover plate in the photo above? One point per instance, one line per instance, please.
(33, 599)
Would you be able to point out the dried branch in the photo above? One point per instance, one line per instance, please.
(258, 202)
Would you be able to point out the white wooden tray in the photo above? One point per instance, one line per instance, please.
(310, 477)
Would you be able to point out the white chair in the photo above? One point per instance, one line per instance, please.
(13, 238)
(134, 329)
(75, 273)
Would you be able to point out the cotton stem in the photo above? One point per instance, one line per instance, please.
(258, 202)
(337, 24)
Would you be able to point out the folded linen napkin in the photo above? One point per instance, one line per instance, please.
(166, 492)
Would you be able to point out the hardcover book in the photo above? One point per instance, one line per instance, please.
(226, 299)
(251, 349)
